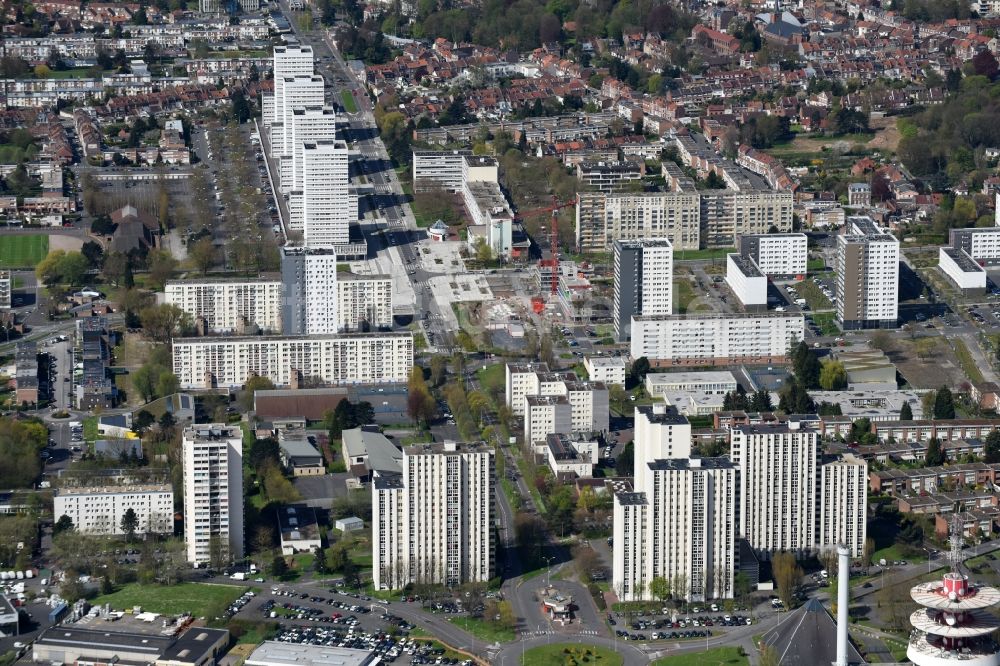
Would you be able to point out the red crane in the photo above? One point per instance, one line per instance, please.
(553, 233)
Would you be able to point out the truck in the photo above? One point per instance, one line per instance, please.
(239, 575)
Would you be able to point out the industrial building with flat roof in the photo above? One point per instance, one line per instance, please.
(276, 653)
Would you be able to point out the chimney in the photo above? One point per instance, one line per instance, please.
(843, 601)
(200, 326)
(295, 380)
(209, 380)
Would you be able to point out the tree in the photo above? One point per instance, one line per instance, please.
(659, 587)
(906, 412)
(319, 560)
(760, 401)
(61, 267)
(625, 464)
(64, 524)
(337, 557)
(129, 524)
(164, 321)
(144, 380)
(115, 267)
(279, 567)
(161, 268)
(983, 64)
(832, 375)
(935, 455)
(93, 253)
(254, 384)
(167, 384)
(794, 399)
(881, 340)
(992, 447)
(420, 403)
(639, 369)
(787, 574)
(142, 421)
(944, 404)
(545, 353)
(167, 422)
(202, 254)
(438, 366)
(806, 365)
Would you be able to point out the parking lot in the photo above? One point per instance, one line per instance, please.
(672, 626)
(335, 616)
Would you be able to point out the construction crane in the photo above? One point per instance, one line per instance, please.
(553, 233)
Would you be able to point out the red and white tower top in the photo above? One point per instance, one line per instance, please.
(953, 627)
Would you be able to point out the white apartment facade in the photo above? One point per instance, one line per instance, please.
(981, 243)
(779, 477)
(607, 369)
(289, 61)
(6, 291)
(363, 300)
(434, 522)
(227, 305)
(212, 456)
(545, 415)
(720, 339)
(328, 207)
(298, 92)
(603, 218)
(350, 358)
(589, 408)
(521, 380)
(777, 255)
(100, 510)
(867, 276)
(689, 220)
(643, 281)
(843, 504)
(306, 125)
(439, 170)
(691, 528)
(310, 279)
(679, 524)
(748, 283)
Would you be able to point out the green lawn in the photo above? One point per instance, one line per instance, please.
(720, 656)
(484, 630)
(75, 73)
(493, 377)
(827, 322)
(816, 299)
(714, 253)
(90, 428)
(816, 264)
(968, 364)
(892, 553)
(23, 250)
(570, 654)
(197, 598)
(683, 295)
(349, 104)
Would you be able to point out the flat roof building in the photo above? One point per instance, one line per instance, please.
(747, 281)
(277, 653)
(964, 271)
(298, 529)
(867, 271)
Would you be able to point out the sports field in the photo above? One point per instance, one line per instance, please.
(22, 250)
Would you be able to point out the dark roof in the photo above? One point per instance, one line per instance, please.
(808, 636)
(131, 234)
(195, 644)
